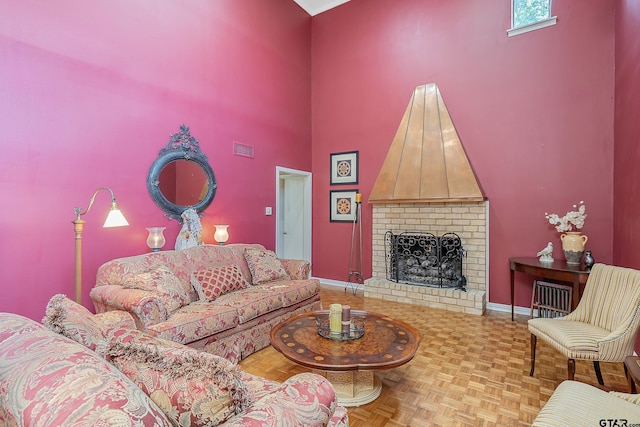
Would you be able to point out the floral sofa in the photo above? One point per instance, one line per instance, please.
(99, 370)
(220, 299)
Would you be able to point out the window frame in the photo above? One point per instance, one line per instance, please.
(514, 31)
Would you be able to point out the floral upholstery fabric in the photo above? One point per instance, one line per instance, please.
(47, 379)
(247, 338)
(144, 306)
(181, 263)
(292, 292)
(196, 321)
(297, 269)
(251, 303)
(116, 319)
(192, 387)
(68, 318)
(210, 283)
(162, 282)
(312, 398)
(11, 324)
(232, 325)
(265, 266)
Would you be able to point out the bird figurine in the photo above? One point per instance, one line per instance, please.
(546, 255)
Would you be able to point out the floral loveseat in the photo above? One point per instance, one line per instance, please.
(220, 299)
(98, 370)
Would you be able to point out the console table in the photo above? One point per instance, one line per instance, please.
(558, 271)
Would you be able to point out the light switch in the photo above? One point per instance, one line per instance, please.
(267, 210)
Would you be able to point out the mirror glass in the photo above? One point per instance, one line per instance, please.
(183, 182)
(181, 177)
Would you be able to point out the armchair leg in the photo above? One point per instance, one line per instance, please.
(534, 340)
(630, 380)
(596, 366)
(571, 367)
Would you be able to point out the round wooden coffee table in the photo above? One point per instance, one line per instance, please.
(348, 365)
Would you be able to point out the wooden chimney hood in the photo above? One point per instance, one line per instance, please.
(426, 161)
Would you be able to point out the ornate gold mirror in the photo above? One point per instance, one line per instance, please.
(181, 177)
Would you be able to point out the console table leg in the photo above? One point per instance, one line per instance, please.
(512, 273)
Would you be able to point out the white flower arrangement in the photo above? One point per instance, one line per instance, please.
(572, 219)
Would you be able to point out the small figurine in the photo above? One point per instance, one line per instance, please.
(588, 261)
(189, 235)
(546, 255)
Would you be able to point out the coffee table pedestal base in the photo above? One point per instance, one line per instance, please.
(354, 388)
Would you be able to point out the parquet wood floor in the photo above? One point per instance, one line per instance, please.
(469, 370)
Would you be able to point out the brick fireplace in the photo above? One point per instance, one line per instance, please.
(427, 185)
(467, 219)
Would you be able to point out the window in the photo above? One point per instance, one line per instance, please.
(529, 15)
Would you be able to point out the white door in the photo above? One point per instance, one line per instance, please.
(293, 214)
(293, 218)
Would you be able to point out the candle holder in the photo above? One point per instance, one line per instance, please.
(156, 239)
(356, 329)
(221, 234)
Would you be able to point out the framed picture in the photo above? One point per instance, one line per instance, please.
(342, 205)
(344, 168)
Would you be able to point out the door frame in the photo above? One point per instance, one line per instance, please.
(281, 174)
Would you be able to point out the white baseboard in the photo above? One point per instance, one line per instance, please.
(506, 308)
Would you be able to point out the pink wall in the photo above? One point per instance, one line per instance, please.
(534, 112)
(91, 92)
(626, 224)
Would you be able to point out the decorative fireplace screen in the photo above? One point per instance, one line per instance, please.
(424, 259)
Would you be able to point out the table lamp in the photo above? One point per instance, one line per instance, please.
(222, 234)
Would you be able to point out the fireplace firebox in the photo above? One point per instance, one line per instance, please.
(424, 259)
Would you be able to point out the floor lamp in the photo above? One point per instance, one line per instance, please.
(115, 218)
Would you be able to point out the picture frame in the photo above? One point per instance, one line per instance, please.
(344, 168)
(342, 205)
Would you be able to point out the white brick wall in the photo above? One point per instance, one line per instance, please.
(467, 219)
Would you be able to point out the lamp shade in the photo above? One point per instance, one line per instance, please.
(115, 218)
(156, 239)
(222, 234)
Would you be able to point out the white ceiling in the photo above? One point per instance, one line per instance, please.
(314, 7)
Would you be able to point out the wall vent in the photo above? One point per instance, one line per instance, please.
(243, 150)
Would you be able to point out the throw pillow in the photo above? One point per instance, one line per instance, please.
(164, 284)
(192, 387)
(265, 266)
(211, 283)
(68, 318)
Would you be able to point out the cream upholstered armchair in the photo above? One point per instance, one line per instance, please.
(578, 404)
(603, 326)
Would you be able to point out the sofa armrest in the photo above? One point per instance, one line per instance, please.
(297, 269)
(304, 399)
(144, 306)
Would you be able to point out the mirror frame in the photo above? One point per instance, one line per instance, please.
(181, 146)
